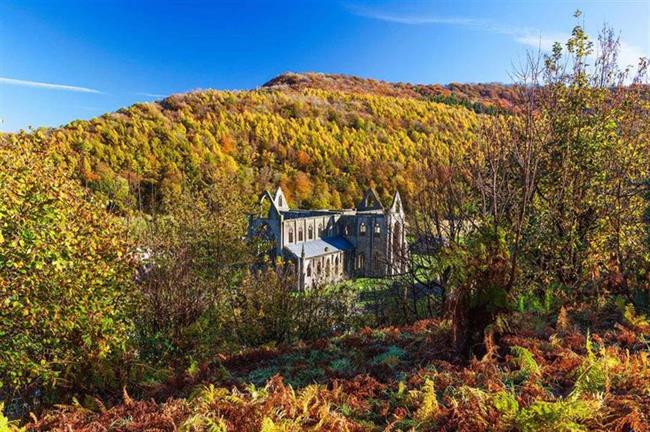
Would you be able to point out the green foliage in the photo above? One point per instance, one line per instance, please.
(506, 404)
(635, 319)
(593, 375)
(524, 359)
(391, 357)
(342, 365)
(562, 415)
(193, 257)
(65, 279)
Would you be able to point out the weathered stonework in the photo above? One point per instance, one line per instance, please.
(327, 246)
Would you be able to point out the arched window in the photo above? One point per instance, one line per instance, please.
(361, 261)
(398, 247)
(280, 204)
(362, 229)
(327, 267)
(377, 263)
(300, 236)
(397, 239)
(336, 265)
(310, 233)
(290, 235)
(318, 268)
(308, 270)
(320, 229)
(377, 229)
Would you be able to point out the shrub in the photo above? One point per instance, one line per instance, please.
(65, 280)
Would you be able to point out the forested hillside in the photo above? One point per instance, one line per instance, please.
(324, 146)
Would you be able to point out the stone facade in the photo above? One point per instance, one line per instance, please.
(327, 246)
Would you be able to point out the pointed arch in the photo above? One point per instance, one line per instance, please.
(362, 229)
(361, 261)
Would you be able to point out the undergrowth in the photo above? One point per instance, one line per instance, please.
(564, 378)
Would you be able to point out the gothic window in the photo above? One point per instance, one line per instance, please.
(318, 268)
(320, 229)
(280, 204)
(361, 261)
(300, 235)
(308, 270)
(290, 235)
(397, 246)
(310, 233)
(377, 229)
(327, 267)
(397, 239)
(377, 263)
(362, 229)
(336, 265)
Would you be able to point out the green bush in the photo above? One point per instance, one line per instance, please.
(65, 280)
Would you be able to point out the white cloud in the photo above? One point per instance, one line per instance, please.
(150, 95)
(49, 86)
(545, 43)
(534, 38)
(629, 55)
(414, 20)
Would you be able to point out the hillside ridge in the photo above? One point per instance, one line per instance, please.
(480, 97)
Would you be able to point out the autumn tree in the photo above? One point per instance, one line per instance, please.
(66, 280)
(537, 199)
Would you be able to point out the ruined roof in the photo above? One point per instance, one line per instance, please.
(318, 247)
(370, 201)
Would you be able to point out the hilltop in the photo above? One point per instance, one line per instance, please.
(482, 98)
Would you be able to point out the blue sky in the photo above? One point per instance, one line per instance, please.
(63, 60)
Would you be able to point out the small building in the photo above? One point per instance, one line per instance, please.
(327, 246)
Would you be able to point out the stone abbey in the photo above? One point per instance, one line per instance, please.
(327, 246)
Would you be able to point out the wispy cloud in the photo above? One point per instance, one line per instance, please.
(535, 38)
(49, 86)
(151, 95)
(629, 55)
(523, 35)
(415, 20)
